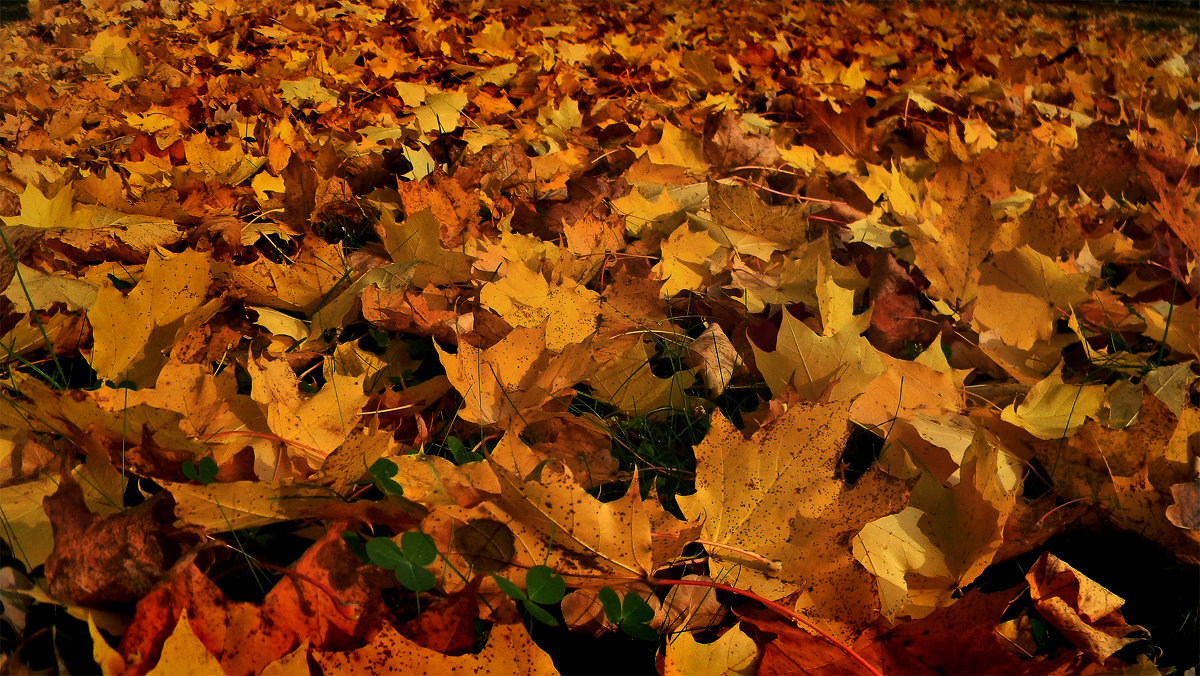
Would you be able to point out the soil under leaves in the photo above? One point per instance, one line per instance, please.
(417, 336)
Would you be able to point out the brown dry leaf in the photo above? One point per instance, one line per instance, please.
(1086, 613)
(727, 143)
(117, 558)
(780, 520)
(30, 531)
(448, 625)
(208, 409)
(582, 444)
(962, 638)
(689, 608)
(738, 207)
(333, 601)
(715, 357)
(1185, 511)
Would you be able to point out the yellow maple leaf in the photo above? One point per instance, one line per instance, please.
(39, 211)
(662, 212)
(841, 363)
(320, 421)
(733, 653)
(1054, 409)
(110, 54)
(513, 378)
(183, 652)
(689, 260)
(567, 311)
(132, 333)
(678, 148)
(780, 518)
(627, 382)
(1018, 293)
(947, 535)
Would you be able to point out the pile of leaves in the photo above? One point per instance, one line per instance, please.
(372, 336)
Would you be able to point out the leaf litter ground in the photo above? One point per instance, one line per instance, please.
(449, 337)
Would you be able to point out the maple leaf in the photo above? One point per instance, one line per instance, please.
(567, 311)
(947, 535)
(778, 517)
(739, 207)
(957, 240)
(320, 421)
(1054, 409)
(509, 650)
(840, 364)
(514, 377)
(585, 537)
(1018, 292)
(132, 332)
(733, 653)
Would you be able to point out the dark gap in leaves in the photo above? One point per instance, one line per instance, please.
(421, 348)
(661, 449)
(349, 224)
(1036, 485)
(735, 401)
(276, 249)
(53, 634)
(1160, 592)
(577, 653)
(242, 376)
(862, 449)
(312, 376)
(236, 572)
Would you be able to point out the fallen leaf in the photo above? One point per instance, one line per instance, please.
(780, 520)
(733, 653)
(509, 650)
(1087, 614)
